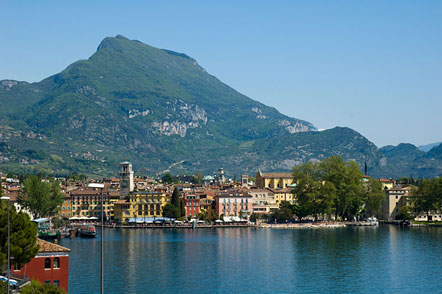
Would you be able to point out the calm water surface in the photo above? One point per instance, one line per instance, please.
(387, 259)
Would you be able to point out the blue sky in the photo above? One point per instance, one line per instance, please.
(374, 66)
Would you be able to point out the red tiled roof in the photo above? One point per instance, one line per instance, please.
(46, 246)
(277, 175)
(385, 181)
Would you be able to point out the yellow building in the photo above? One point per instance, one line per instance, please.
(87, 202)
(140, 204)
(387, 184)
(121, 211)
(283, 195)
(273, 180)
(65, 209)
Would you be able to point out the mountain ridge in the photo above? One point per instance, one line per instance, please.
(158, 107)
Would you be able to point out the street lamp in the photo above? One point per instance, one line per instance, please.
(9, 242)
(101, 186)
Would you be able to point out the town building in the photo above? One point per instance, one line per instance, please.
(234, 203)
(126, 179)
(273, 180)
(65, 209)
(285, 194)
(87, 202)
(244, 181)
(387, 184)
(263, 201)
(49, 266)
(145, 204)
(395, 198)
(192, 205)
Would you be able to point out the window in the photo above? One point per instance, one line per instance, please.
(56, 263)
(57, 283)
(47, 263)
(17, 267)
(47, 282)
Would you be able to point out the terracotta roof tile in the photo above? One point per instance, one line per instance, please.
(277, 175)
(46, 246)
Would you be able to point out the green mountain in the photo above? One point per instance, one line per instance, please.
(162, 111)
(406, 160)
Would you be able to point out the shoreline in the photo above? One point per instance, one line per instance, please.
(303, 226)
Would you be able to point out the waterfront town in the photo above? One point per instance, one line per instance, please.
(130, 200)
(197, 201)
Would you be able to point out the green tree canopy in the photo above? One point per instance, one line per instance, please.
(330, 186)
(427, 197)
(23, 235)
(175, 208)
(175, 197)
(197, 178)
(170, 210)
(374, 195)
(346, 177)
(284, 213)
(41, 198)
(168, 178)
(35, 287)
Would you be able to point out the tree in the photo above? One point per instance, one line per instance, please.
(427, 197)
(197, 178)
(168, 178)
(83, 178)
(182, 207)
(35, 287)
(170, 210)
(175, 208)
(373, 196)
(59, 223)
(41, 198)
(346, 178)
(331, 186)
(404, 214)
(284, 213)
(309, 200)
(175, 197)
(23, 235)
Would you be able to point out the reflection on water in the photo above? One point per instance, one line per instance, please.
(242, 260)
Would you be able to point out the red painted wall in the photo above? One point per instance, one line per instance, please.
(35, 270)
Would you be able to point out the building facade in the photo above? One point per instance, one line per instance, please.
(49, 266)
(273, 180)
(87, 202)
(126, 179)
(395, 198)
(147, 203)
(234, 203)
(263, 201)
(192, 205)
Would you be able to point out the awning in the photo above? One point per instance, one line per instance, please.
(40, 220)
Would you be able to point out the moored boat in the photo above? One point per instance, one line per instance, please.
(87, 231)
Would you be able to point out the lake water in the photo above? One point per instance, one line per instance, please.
(384, 259)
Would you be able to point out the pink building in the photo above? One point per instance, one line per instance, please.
(234, 203)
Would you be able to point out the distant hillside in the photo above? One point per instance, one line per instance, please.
(161, 110)
(428, 147)
(407, 160)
